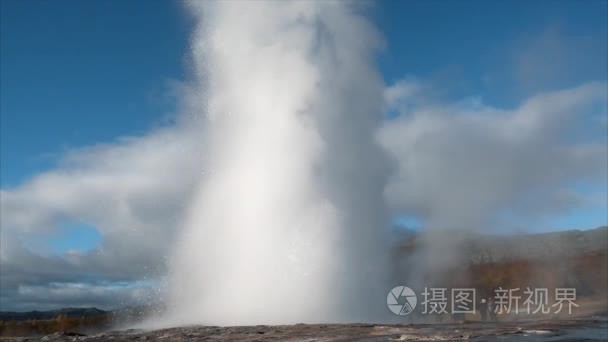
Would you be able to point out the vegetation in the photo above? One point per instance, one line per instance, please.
(63, 322)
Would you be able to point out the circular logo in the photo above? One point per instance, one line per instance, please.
(401, 300)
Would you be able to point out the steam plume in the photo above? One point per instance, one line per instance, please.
(287, 221)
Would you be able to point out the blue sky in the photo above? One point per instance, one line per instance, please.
(76, 74)
(463, 42)
(79, 73)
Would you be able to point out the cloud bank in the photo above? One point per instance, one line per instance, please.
(133, 191)
(467, 165)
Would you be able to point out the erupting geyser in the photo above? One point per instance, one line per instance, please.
(288, 222)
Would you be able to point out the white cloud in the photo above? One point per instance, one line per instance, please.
(133, 191)
(401, 94)
(465, 166)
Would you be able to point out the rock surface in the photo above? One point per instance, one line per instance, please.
(565, 330)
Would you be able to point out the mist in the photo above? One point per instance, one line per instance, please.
(288, 221)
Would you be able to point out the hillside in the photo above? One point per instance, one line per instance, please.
(571, 259)
(50, 314)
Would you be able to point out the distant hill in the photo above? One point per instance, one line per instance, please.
(571, 243)
(568, 259)
(485, 248)
(50, 314)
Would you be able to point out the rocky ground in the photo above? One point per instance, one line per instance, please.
(563, 330)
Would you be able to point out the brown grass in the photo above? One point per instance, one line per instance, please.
(82, 325)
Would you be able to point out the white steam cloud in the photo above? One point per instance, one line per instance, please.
(287, 224)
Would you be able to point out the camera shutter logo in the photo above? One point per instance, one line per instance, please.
(401, 300)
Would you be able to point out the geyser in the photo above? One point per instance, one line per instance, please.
(287, 224)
